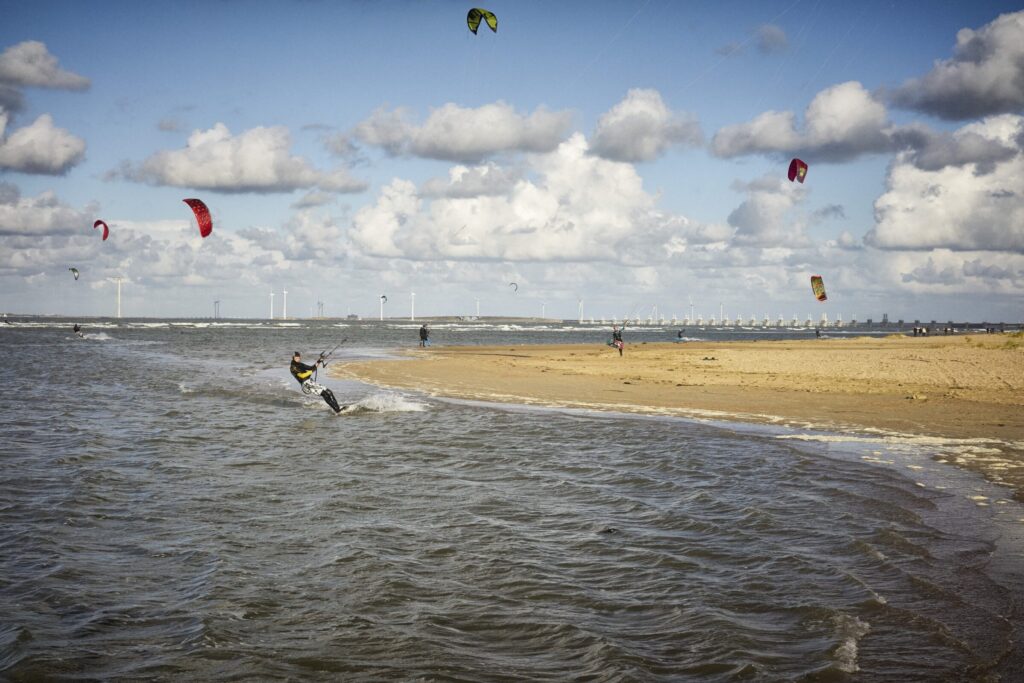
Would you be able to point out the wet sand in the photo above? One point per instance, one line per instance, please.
(965, 387)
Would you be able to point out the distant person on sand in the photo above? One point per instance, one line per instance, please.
(617, 339)
(424, 336)
(303, 374)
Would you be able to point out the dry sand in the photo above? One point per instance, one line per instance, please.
(962, 387)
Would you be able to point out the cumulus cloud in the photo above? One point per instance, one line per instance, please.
(984, 77)
(579, 207)
(257, 160)
(841, 123)
(39, 148)
(955, 207)
(771, 39)
(642, 128)
(476, 181)
(454, 133)
(764, 219)
(30, 64)
(38, 216)
(931, 151)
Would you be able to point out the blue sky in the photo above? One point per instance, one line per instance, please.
(624, 152)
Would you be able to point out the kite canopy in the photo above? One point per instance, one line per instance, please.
(106, 230)
(797, 170)
(476, 14)
(514, 286)
(818, 287)
(74, 271)
(202, 216)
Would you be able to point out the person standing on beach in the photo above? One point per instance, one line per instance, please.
(424, 335)
(617, 338)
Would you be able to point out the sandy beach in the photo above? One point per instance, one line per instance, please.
(965, 387)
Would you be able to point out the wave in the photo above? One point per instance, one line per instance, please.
(849, 630)
(97, 336)
(386, 402)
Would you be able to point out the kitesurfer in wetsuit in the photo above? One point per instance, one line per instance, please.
(304, 375)
(78, 329)
(617, 338)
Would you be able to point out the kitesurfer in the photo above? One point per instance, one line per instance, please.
(304, 375)
(424, 335)
(78, 330)
(617, 338)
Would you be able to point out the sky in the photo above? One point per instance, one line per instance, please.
(629, 154)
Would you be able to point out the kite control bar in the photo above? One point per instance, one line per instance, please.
(322, 360)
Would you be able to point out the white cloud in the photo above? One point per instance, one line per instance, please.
(765, 218)
(30, 64)
(38, 216)
(984, 77)
(771, 39)
(642, 128)
(476, 181)
(454, 133)
(580, 207)
(39, 148)
(257, 160)
(311, 199)
(953, 206)
(841, 123)
(931, 151)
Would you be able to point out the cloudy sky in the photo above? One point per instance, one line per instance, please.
(630, 153)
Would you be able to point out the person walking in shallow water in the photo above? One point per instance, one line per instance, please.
(424, 336)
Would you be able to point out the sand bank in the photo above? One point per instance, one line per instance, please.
(959, 387)
(946, 386)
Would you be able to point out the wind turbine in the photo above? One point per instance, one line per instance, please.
(271, 305)
(119, 279)
(383, 299)
(284, 308)
(412, 306)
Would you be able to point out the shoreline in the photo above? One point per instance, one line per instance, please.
(963, 387)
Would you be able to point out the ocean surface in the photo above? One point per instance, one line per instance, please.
(172, 507)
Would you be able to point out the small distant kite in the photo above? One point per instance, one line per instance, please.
(514, 286)
(383, 299)
(476, 14)
(74, 271)
(106, 230)
(797, 170)
(202, 216)
(818, 286)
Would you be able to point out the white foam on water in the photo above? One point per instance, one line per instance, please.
(388, 402)
(849, 630)
(97, 336)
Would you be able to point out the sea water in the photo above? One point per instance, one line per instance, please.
(173, 507)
